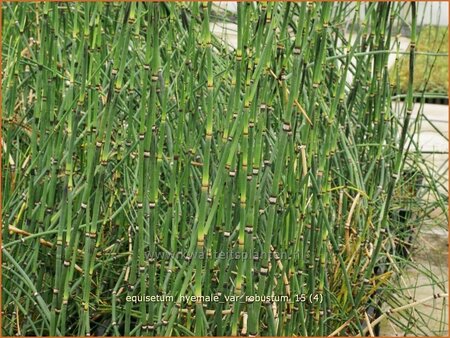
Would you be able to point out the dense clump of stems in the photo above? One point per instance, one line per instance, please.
(142, 156)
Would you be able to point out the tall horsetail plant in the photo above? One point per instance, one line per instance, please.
(158, 180)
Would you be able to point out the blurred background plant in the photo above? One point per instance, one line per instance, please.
(430, 75)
